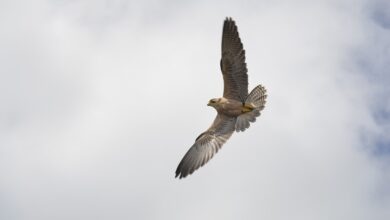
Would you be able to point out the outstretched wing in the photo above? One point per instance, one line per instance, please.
(233, 64)
(206, 145)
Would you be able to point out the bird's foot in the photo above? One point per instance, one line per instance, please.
(247, 107)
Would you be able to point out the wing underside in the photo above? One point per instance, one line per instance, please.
(206, 145)
(233, 64)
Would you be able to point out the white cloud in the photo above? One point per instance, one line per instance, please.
(100, 100)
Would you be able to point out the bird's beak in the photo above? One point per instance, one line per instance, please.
(208, 104)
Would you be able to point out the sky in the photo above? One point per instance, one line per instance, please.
(99, 101)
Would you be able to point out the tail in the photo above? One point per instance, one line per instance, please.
(255, 102)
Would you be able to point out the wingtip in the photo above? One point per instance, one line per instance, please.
(180, 175)
(229, 19)
(179, 172)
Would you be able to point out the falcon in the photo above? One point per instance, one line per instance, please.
(236, 109)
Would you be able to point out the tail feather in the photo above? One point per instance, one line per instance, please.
(256, 99)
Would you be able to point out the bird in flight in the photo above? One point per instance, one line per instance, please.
(236, 109)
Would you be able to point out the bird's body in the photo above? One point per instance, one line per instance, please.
(228, 107)
(236, 109)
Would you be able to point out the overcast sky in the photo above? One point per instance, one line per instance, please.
(99, 101)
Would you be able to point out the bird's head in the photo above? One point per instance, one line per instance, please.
(213, 102)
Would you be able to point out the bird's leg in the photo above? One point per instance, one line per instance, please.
(247, 107)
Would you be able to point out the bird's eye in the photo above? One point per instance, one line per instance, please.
(212, 101)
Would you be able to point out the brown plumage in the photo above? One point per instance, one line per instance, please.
(233, 64)
(236, 109)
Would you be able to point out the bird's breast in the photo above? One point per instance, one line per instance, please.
(231, 108)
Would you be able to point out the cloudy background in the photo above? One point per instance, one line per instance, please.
(99, 101)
